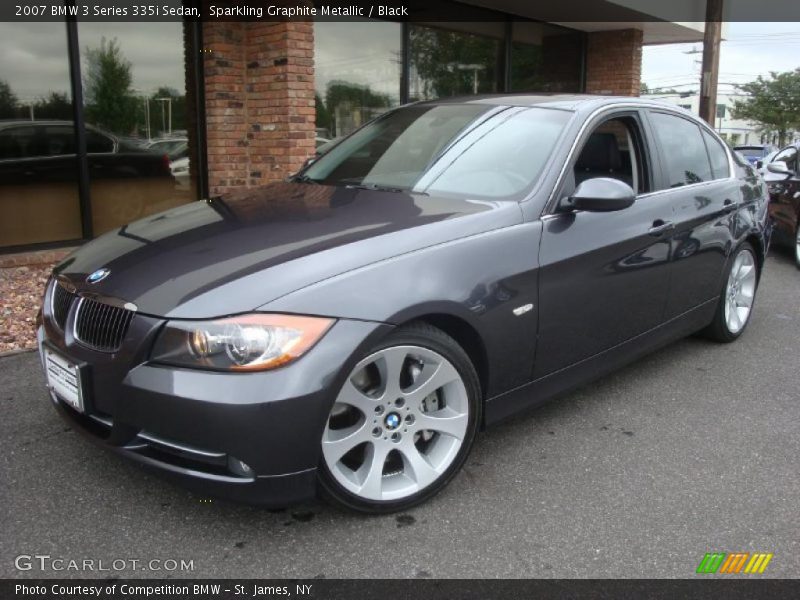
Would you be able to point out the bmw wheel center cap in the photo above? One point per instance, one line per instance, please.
(392, 421)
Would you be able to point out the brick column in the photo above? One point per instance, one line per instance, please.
(259, 80)
(614, 62)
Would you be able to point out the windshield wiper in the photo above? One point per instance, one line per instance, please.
(302, 179)
(374, 186)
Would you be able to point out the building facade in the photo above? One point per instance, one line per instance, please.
(105, 123)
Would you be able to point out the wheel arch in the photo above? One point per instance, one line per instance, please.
(466, 336)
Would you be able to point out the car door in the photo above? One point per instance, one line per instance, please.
(696, 183)
(604, 277)
(784, 194)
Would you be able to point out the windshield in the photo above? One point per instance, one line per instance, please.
(399, 150)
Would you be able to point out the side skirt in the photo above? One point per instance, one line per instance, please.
(554, 384)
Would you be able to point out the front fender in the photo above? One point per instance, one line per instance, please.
(480, 279)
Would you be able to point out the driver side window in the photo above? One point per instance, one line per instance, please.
(613, 149)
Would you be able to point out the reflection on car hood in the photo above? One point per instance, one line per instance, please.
(237, 252)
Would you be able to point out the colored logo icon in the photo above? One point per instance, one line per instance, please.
(734, 563)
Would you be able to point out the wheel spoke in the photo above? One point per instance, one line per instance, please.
(733, 320)
(416, 465)
(445, 421)
(391, 368)
(431, 379)
(372, 482)
(338, 442)
(744, 297)
(352, 396)
(745, 272)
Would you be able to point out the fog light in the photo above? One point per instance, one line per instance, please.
(239, 468)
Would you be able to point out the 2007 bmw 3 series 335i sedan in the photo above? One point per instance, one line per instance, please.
(350, 330)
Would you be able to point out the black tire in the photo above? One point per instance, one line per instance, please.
(431, 338)
(718, 329)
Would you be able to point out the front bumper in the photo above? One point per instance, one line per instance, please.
(251, 437)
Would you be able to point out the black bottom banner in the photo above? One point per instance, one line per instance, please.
(390, 589)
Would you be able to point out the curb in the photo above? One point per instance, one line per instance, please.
(9, 353)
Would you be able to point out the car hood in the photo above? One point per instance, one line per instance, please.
(237, 252)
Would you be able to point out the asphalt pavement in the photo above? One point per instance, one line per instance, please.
(693, 449)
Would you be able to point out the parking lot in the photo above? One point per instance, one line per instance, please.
(691, 450)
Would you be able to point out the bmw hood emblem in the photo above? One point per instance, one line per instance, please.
(98, 275)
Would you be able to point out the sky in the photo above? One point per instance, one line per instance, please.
(34, 54)
(749, 50)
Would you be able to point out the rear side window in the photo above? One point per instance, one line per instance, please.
(19, 142)
(683, 151)
(58, 140)
(718, 155)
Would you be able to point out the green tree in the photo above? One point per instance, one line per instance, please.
(54, 106)
(450, 63)
(8, 101)
(110, 102)
(773, 103)
(359, 102)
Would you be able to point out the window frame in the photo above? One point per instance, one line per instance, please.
(641, 140)
(708, 132)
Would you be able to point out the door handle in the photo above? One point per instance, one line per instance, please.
(660, 226)
(728, 206)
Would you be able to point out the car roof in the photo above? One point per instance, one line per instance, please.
(560, 101)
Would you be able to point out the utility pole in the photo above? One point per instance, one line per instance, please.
(710, 74)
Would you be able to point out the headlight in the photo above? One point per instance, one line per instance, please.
(252, 342)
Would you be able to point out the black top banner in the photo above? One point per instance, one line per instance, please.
(561, 11)
(397, 589)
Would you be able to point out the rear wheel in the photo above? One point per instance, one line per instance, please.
(737, 297)
(402, 424)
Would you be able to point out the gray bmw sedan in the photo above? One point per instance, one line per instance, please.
(350, 330)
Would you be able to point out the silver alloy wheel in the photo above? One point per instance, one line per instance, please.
(397, 424)
(740, 291)
(797, 246)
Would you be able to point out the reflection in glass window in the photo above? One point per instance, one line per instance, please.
(397, 150)
(38, 166)
(545, 58)
(135, 112)
(357, 69)
(508, 159)
(682, 150)
(451, 63)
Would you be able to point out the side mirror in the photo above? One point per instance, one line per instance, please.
(759, 164)
(601, 194)
(779, 168)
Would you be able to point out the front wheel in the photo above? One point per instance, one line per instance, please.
(737, 297)
(797, 247)
(402, 424)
